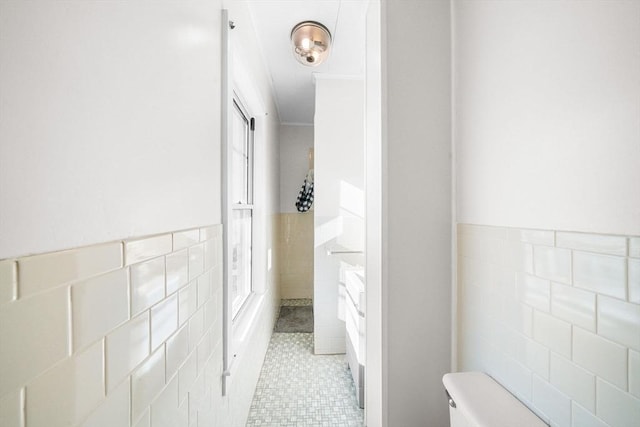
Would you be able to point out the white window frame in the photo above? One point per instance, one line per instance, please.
(238, 329)
(239, 301)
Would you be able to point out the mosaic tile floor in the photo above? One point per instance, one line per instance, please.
(296, 302)
(299, 389)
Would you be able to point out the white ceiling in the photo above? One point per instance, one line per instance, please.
(292, 81)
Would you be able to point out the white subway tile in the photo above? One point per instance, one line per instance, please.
(536, 237)
(199, 393)
(11, 409)
(196, 328)
(580, 417)
(145, 419)
(616, 407)
(574, 305)
(187, 375)
(463, 229)
(187, 302)
(472, 246)
(536, 357)
(66, 394)
(210, 311)
(8, 281)
(603, 274)
(177, 350)
(505, 281)
(612, 245)
(184, 239)
(634, 280)
(517, 378)
(634, 247)
(42, 272)
(114, 411)
(205, 348)
(207, 233)
(518, 256)
(164, 410)
(177, 265)
(210, 254)
(619, 321)
(552, 332)
(552, 263)
(475, 273)
(604, 358)
(573, 381)
(512, 342)
(136, 251)
(146, 382)
(219, 251)
(216, 279)
(147, 284)
(126, 347)
(634, 373)
(98, 306)
(518, 316)
(34, 334)
(484, 232)
(164, 321)
(204, 288)
(183, 420)
(534, 291)
(196, 261)
(553, 403)
(525, 320)
(216, 326)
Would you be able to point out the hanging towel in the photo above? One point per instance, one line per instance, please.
(305, 196)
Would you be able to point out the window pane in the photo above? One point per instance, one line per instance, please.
(239, 158)
(240, 257)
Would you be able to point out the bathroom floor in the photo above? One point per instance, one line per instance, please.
(298, 388)
(296, 315)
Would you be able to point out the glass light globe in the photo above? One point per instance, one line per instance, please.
(310, 42)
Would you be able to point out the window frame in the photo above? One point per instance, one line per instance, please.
(238, 205)
(239, 331)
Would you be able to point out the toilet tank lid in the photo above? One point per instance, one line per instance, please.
(486, 403)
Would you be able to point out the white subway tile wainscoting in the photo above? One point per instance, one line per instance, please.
(555, 317)
(116, 335)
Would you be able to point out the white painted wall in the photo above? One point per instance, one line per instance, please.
(295, 143)
(547, 114)
(338, 199)
(109, 121)
(416, 210)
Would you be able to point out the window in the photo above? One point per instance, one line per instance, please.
(241, 204)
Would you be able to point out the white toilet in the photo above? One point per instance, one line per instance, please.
(476, 400)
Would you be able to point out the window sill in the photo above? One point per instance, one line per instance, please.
(243, 326)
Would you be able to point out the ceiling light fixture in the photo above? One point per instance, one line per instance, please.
(311, 42)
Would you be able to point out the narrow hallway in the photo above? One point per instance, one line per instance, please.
(298, 388)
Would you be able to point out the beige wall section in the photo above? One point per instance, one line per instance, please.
(295, 255)
(295, 237)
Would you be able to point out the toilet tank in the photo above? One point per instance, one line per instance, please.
(476, 400)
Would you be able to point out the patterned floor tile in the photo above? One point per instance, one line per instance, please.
(299, 389)
(296, 302)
